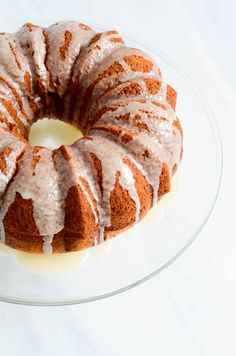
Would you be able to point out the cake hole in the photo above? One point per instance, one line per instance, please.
(53, 133)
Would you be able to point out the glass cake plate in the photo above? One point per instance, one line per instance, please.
(149, 247)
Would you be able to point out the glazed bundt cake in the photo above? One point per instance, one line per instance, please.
(77, 196)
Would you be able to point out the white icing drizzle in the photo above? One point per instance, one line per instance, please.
(94, 54)
(70, 173)
(32, 42)
(126, 75)
(46, 198)
(90, 60)
(163, 141)
(13, 62)
(48, 183)
(111, 164)
(17, 147)
(47, 244)
(60, 69)
(6, 114)
(115, 93)
(11, 96)
(115, 97)
(17, 110)
(14, 66)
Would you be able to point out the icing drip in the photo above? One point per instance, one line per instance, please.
(62, 53)
(32, 42)
(46, 198)
(47, 244)
(115, 95)
(124, 75)
(90, 60)
(70, 173)
(12, 91)
(15, 107)
(17, 147)
(163, 141)
(112, 161)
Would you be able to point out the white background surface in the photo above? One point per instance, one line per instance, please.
(189, 309)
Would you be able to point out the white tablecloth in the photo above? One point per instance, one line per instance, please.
(189, 309)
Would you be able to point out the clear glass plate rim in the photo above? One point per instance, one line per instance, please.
(214, 126)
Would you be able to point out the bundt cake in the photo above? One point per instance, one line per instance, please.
(77, 196)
